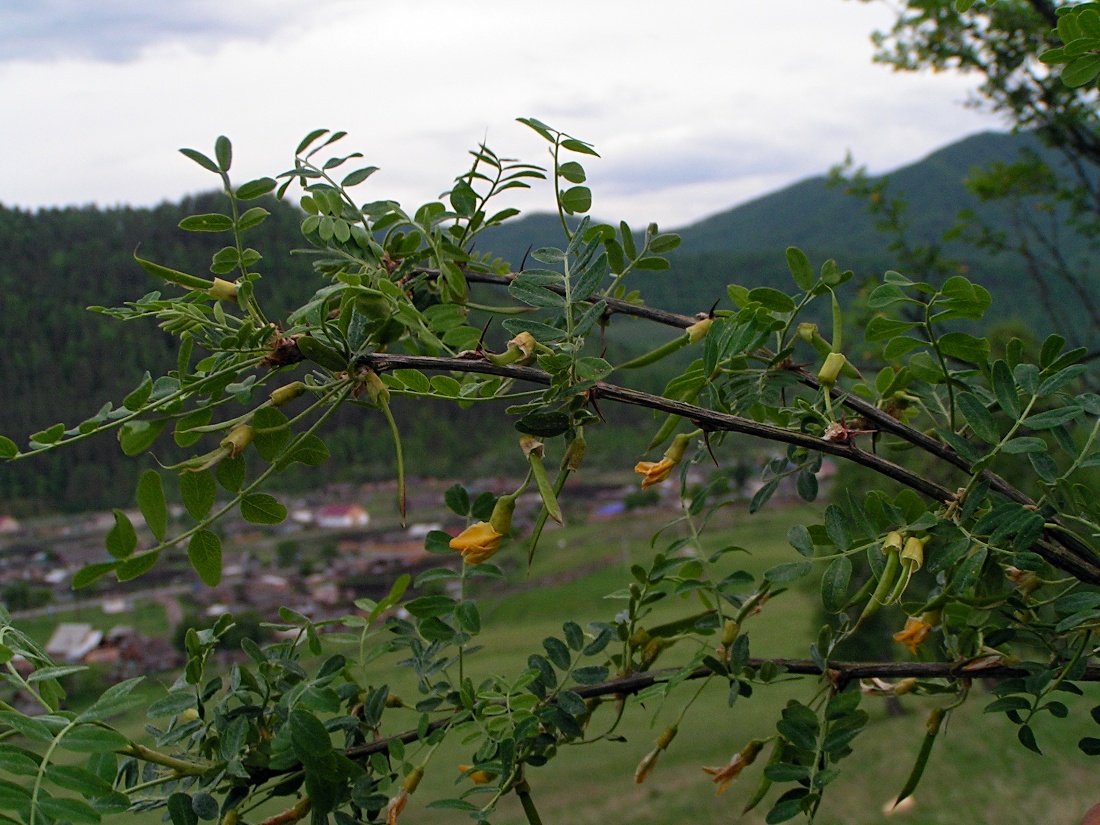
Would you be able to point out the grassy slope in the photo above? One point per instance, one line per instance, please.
(978, 772)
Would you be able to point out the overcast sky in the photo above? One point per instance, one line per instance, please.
(694, 106)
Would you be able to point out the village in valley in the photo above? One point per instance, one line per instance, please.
(340, 544)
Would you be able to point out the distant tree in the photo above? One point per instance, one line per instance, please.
(19, 595)
(1049, 197)
(286, 553)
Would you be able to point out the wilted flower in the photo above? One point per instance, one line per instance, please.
(916, 631)
(726, 774)
(649, 761)
(477, 543)
(645, 767)
(239, 438)
(525, 342)
(521, 350)
(395, 806)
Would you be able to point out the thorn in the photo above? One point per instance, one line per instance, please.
(710, 451)
(481, 338)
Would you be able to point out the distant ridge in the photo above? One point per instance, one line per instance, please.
(816, 216)
(745, 244)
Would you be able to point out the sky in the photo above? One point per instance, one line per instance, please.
(693, 105)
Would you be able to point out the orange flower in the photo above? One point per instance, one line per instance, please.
(916, 631)
(654, 472)
(477, 543)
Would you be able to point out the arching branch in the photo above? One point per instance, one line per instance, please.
(1079, 563)
(840, 673)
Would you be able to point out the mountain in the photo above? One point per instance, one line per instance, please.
(745, 243)
(822, 219)
(60, 363)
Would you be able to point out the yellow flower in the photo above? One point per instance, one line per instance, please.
(477, 543)
(654, 472)
(477, 777)
(916, 631)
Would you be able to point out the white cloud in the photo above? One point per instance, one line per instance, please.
(692, 110)
(124, 30)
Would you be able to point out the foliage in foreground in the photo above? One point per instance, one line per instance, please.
(983, 576)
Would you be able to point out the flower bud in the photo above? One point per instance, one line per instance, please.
(653, 649)
(639, 638)
(477, 777)
(729, 632)
(412, 780)
(501, 519)
(281, 396)
(666, 737)
(905, 686)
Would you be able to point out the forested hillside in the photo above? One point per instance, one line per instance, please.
(744, 244)
(61, 362)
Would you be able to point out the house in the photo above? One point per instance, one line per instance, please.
(71, 642)
(342, 515)
(420, 531)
